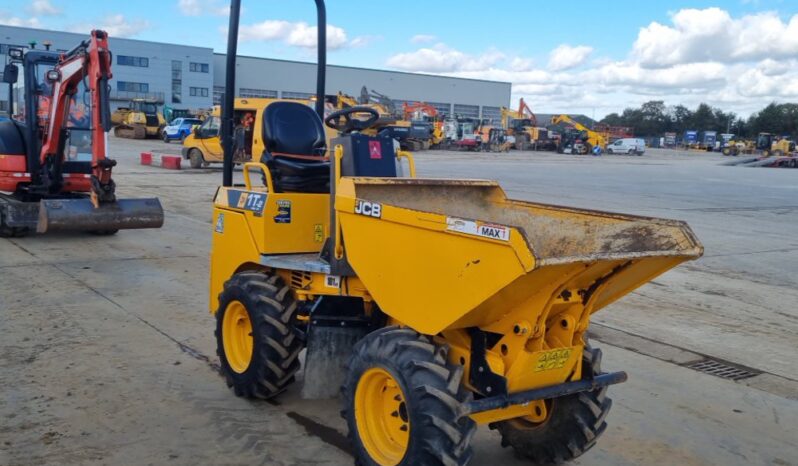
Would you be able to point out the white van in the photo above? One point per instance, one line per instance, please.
(627, 146)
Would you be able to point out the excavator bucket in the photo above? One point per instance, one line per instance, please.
(81, 215)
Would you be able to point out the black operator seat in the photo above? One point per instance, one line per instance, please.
(295, 148)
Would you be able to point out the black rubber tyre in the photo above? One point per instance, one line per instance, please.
(165, 138)
(271, 308)
(12, 232)
(195, 158)
(432, 390)
(572, 427)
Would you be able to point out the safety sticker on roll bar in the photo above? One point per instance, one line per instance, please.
(486, 230)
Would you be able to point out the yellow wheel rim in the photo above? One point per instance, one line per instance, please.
(237, 336)
(381, 415)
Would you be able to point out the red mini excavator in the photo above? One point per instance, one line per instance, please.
(54, 170)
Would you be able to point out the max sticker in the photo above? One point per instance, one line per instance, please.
(220, 224)
(499, 232)
(283, 212)
(486, 230)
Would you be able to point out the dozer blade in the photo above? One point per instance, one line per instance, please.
(81, 215)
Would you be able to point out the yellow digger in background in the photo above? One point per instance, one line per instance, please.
(590, 138)
(768, 144)
(139, 120)
(435, 304)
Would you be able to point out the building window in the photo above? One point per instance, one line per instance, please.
(442, 108)
(142, 62)
(494, 114)
(177, 81)
(4, 48)
(253, 93)
(297, 95)
(218, 95)
(128, 86)
(198, 91)
(198, 67)
(468, 111)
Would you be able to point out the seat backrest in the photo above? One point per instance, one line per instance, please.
(293, 128)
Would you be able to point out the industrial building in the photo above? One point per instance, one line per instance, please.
(175, 75)
(188, 77)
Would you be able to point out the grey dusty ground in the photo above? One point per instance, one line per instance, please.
(108, 354)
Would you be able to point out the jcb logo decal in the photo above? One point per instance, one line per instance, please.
(369, 209)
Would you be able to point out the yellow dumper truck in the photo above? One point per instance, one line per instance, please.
(435, 304)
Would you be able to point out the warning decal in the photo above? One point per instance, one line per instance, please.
(375, 149)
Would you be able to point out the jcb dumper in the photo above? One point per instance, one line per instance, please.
(449, 304)
(55, 174)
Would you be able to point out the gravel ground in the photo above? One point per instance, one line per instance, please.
(109, 355)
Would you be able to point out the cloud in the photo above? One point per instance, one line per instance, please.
(694, 75)
(8, 20)
(712, 34)
(202, 7)
(363, 41)
(522, 64)
(565, 57)
(423, 38)
(738, 63)
(769, 79)
(114, 25)
(43, 8)
(297, 34)
(440, 58)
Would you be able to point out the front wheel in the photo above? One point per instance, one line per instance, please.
(256, 344)
(195, 158)
(401, 400)
(572, 425)
(165, 138)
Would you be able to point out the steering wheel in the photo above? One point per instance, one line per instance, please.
(342, 120)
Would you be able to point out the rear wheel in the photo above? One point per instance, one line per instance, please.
(401, 401)
(195, 158)
(572, 426)
(255, 341)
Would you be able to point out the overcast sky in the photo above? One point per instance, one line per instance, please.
(576, 56)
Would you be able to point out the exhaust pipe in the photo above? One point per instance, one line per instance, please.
(81, 215)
